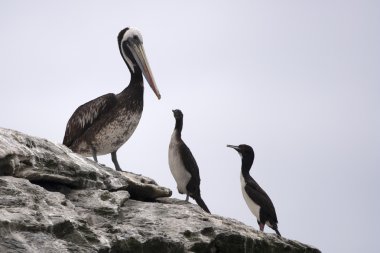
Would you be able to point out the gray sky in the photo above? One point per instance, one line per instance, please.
(299, 81)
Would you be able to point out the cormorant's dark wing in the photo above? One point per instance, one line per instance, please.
(259, 196)
(191, 166)
(85, 115)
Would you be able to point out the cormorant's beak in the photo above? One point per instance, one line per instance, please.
(237, 149)
(138, 52)
(234, 147)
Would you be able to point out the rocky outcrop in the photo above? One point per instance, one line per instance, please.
(53, 166)
(52, 200)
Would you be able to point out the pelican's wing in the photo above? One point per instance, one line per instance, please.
(85, 115)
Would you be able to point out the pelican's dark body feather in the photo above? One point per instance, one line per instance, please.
(105, 123)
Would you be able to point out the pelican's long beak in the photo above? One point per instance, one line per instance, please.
(138, 52)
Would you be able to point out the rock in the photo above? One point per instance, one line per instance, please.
(145, 188)
(54, 166)
(52, 200)
(34, 219)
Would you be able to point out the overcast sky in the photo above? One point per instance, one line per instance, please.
(299, 81)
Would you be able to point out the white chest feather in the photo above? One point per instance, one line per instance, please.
(177, 168)
(255, 209)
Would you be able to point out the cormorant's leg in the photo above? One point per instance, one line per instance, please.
(261, 225)
(187, 197)
(114, 160)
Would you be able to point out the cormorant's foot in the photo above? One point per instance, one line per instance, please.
(260, 231)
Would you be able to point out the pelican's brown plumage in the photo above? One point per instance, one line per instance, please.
(102, 125)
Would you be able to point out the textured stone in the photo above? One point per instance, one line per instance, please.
(52, 200)
(54, 165)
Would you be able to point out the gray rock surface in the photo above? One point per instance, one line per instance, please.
(54, 165)
(52, 200)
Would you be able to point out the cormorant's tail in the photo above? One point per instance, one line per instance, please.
(275, 228)
(200, 202)
(277, 232)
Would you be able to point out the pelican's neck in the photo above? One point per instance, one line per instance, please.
(136, 83)
(137, 77)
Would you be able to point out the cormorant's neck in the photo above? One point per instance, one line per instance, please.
(246, 165)
(178, 126)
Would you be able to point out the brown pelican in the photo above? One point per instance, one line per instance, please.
(256, 198)
(102, 125)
